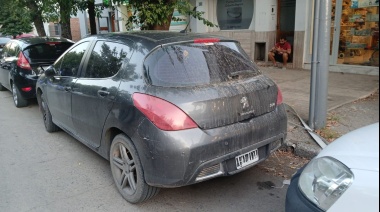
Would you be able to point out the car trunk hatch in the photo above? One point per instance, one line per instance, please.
(216, 84)
(42, 55)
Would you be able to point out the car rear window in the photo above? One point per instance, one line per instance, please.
(194, 64)
(46, 51)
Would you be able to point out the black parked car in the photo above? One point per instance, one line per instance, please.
(167, 109)
(21, 63)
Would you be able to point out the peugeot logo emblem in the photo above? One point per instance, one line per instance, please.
(244, 102)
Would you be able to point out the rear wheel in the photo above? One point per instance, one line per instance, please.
(46, 115)
(127, 171)
(17, 98)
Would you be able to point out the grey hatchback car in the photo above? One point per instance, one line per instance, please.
(167, 109)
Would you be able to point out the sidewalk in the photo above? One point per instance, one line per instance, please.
(295, 86)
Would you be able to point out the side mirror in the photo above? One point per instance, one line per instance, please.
(50, 72)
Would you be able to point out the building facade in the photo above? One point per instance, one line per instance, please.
(258, 24)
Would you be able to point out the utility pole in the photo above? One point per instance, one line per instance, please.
(320, 64)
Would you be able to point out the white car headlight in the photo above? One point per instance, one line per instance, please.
(324, 180)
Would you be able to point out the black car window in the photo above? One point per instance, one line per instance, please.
(46, 51)
(69, 64)
(106, 59)
(193, 64)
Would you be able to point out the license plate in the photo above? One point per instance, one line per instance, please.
(247, 159)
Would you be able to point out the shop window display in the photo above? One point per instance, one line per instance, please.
(359, 32)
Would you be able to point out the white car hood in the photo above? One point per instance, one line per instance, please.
(358, 149)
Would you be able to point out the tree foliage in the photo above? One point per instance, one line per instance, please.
(14, 19)
(157, 14)
(16, 16)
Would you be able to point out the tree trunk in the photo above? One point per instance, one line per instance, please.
(163, 26)
(66, 30)
(36, 17)
(39, 27)
(91, 14)
(65, 8)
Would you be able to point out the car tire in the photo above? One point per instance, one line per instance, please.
(127, 171)
(46, 115)
(17, 98)
(2, 88)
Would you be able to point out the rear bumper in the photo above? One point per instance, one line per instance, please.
(24, 81)
(178, 158)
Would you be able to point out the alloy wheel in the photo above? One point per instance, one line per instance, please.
(14, 94)
(124, 169)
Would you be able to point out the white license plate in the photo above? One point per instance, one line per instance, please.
(247, 158)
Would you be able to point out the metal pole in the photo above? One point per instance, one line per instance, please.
(320, 114)
(314, 62)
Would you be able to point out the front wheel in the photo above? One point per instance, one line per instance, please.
(17, 98)
(127, 171)
(46, 115)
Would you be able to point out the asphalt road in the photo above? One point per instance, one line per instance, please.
(40, 171)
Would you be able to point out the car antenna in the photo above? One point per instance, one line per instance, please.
(185, 30)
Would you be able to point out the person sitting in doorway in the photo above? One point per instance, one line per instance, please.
(280, 52)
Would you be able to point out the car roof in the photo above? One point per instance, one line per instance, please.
(152, 39)
(2, 39)
(27, 41)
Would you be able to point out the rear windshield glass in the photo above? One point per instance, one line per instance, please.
(193, 64)
(46, 51)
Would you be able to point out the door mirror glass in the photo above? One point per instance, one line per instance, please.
(50, 72)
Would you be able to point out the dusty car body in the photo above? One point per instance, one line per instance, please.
(167, 109)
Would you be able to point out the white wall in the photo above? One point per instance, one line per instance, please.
(302, 17)
(82, 23)
(265, 20)
(202, 6)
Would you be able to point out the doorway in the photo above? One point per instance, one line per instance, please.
(286, 20)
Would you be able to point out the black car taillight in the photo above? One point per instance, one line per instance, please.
(163, 114)
(22, 62)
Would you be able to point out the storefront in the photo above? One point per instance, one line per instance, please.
(355, 32)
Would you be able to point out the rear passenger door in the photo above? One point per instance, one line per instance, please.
(95, 91)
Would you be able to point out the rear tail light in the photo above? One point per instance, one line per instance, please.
(163, 114)
(279, 96)
(206, 40)
(52, 43)
(26, 89)
(22, 62)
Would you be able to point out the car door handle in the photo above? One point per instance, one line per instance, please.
(68, 89)
(103, 93)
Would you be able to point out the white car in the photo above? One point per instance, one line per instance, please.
(342, 177)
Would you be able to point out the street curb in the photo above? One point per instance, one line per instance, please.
(348, 102)
(307, 146)
(298, 140)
